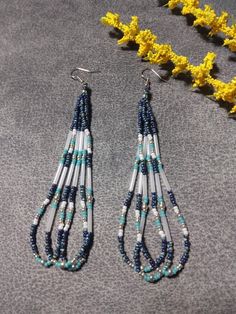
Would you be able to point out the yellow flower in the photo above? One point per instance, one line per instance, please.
(201, 72)
(231, 43)
(204, 17)
(130, 30)
(111, 19)
(181, 64)
(189, 6)
(173, 4)
(224, 91)
(145, 39)
(219, 23)
(160, 54)
(163, 53)
(230, 31)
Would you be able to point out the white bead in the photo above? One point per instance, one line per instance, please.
(85, 225)
(66, 228)
(141, 157)
(71, 205)
(137, 214)
(63, 205)
(176, 209)
(155, 212)
(124, 210)
(185, 231)
(36, 221)
(82, 204)
(162, 234)
(149, 136)
(139, 237)
(140, 137)
(124, 207)
(153, 155)
(89, 150)
(60, 226)
(46, 202)
(87, 132)
(120, 233)
(74, 132)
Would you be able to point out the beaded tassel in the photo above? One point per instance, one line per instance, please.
(73, 174)
(147, 179)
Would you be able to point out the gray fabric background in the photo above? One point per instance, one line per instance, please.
(40, 42)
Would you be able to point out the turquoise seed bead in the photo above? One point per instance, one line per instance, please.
(157, 276)
(89, 191)
(175, 270)
(147, 277)
(145, 199)
(58, 264)
(38, 259)
(122, 220)
(68, 264)
(157, 223)
(40, 211)
(54, 205)
(143, 214)
(69, 215)
(147, 268)
(162, 213)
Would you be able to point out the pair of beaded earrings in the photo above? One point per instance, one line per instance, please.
(74, 176)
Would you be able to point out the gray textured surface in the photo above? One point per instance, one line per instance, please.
(40, 41)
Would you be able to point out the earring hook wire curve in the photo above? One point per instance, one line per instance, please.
(76, 77)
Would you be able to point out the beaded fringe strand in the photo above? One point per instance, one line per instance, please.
(74, 173)
(147, 178)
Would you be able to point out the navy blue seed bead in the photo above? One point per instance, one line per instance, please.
(58, 246)
(172, 198)
(128, 199)
(143, 168)
(82, 192)
(138, 201)
(65, 193)
(72, 194)
(52, 191)
(68, 159)
(64, 241)
(89, 160)
(155, 166)
(154, 199)
(48, 245)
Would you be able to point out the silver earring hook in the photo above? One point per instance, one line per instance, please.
(76, 77)
(147, 79)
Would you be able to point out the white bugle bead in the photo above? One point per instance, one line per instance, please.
(71, 205)
(155, 212)
(162, 234)
(176, 209)
(185, 231)
(139, 237)
(60, 226)
(124, 209)
(35, 221)
(137, 214)
(85, 225)
(120, 233)
(46, 202)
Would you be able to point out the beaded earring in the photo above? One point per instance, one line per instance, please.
(149, 177)
(73, 173)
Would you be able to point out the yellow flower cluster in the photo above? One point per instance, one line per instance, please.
(163, 53)
(208, 18)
